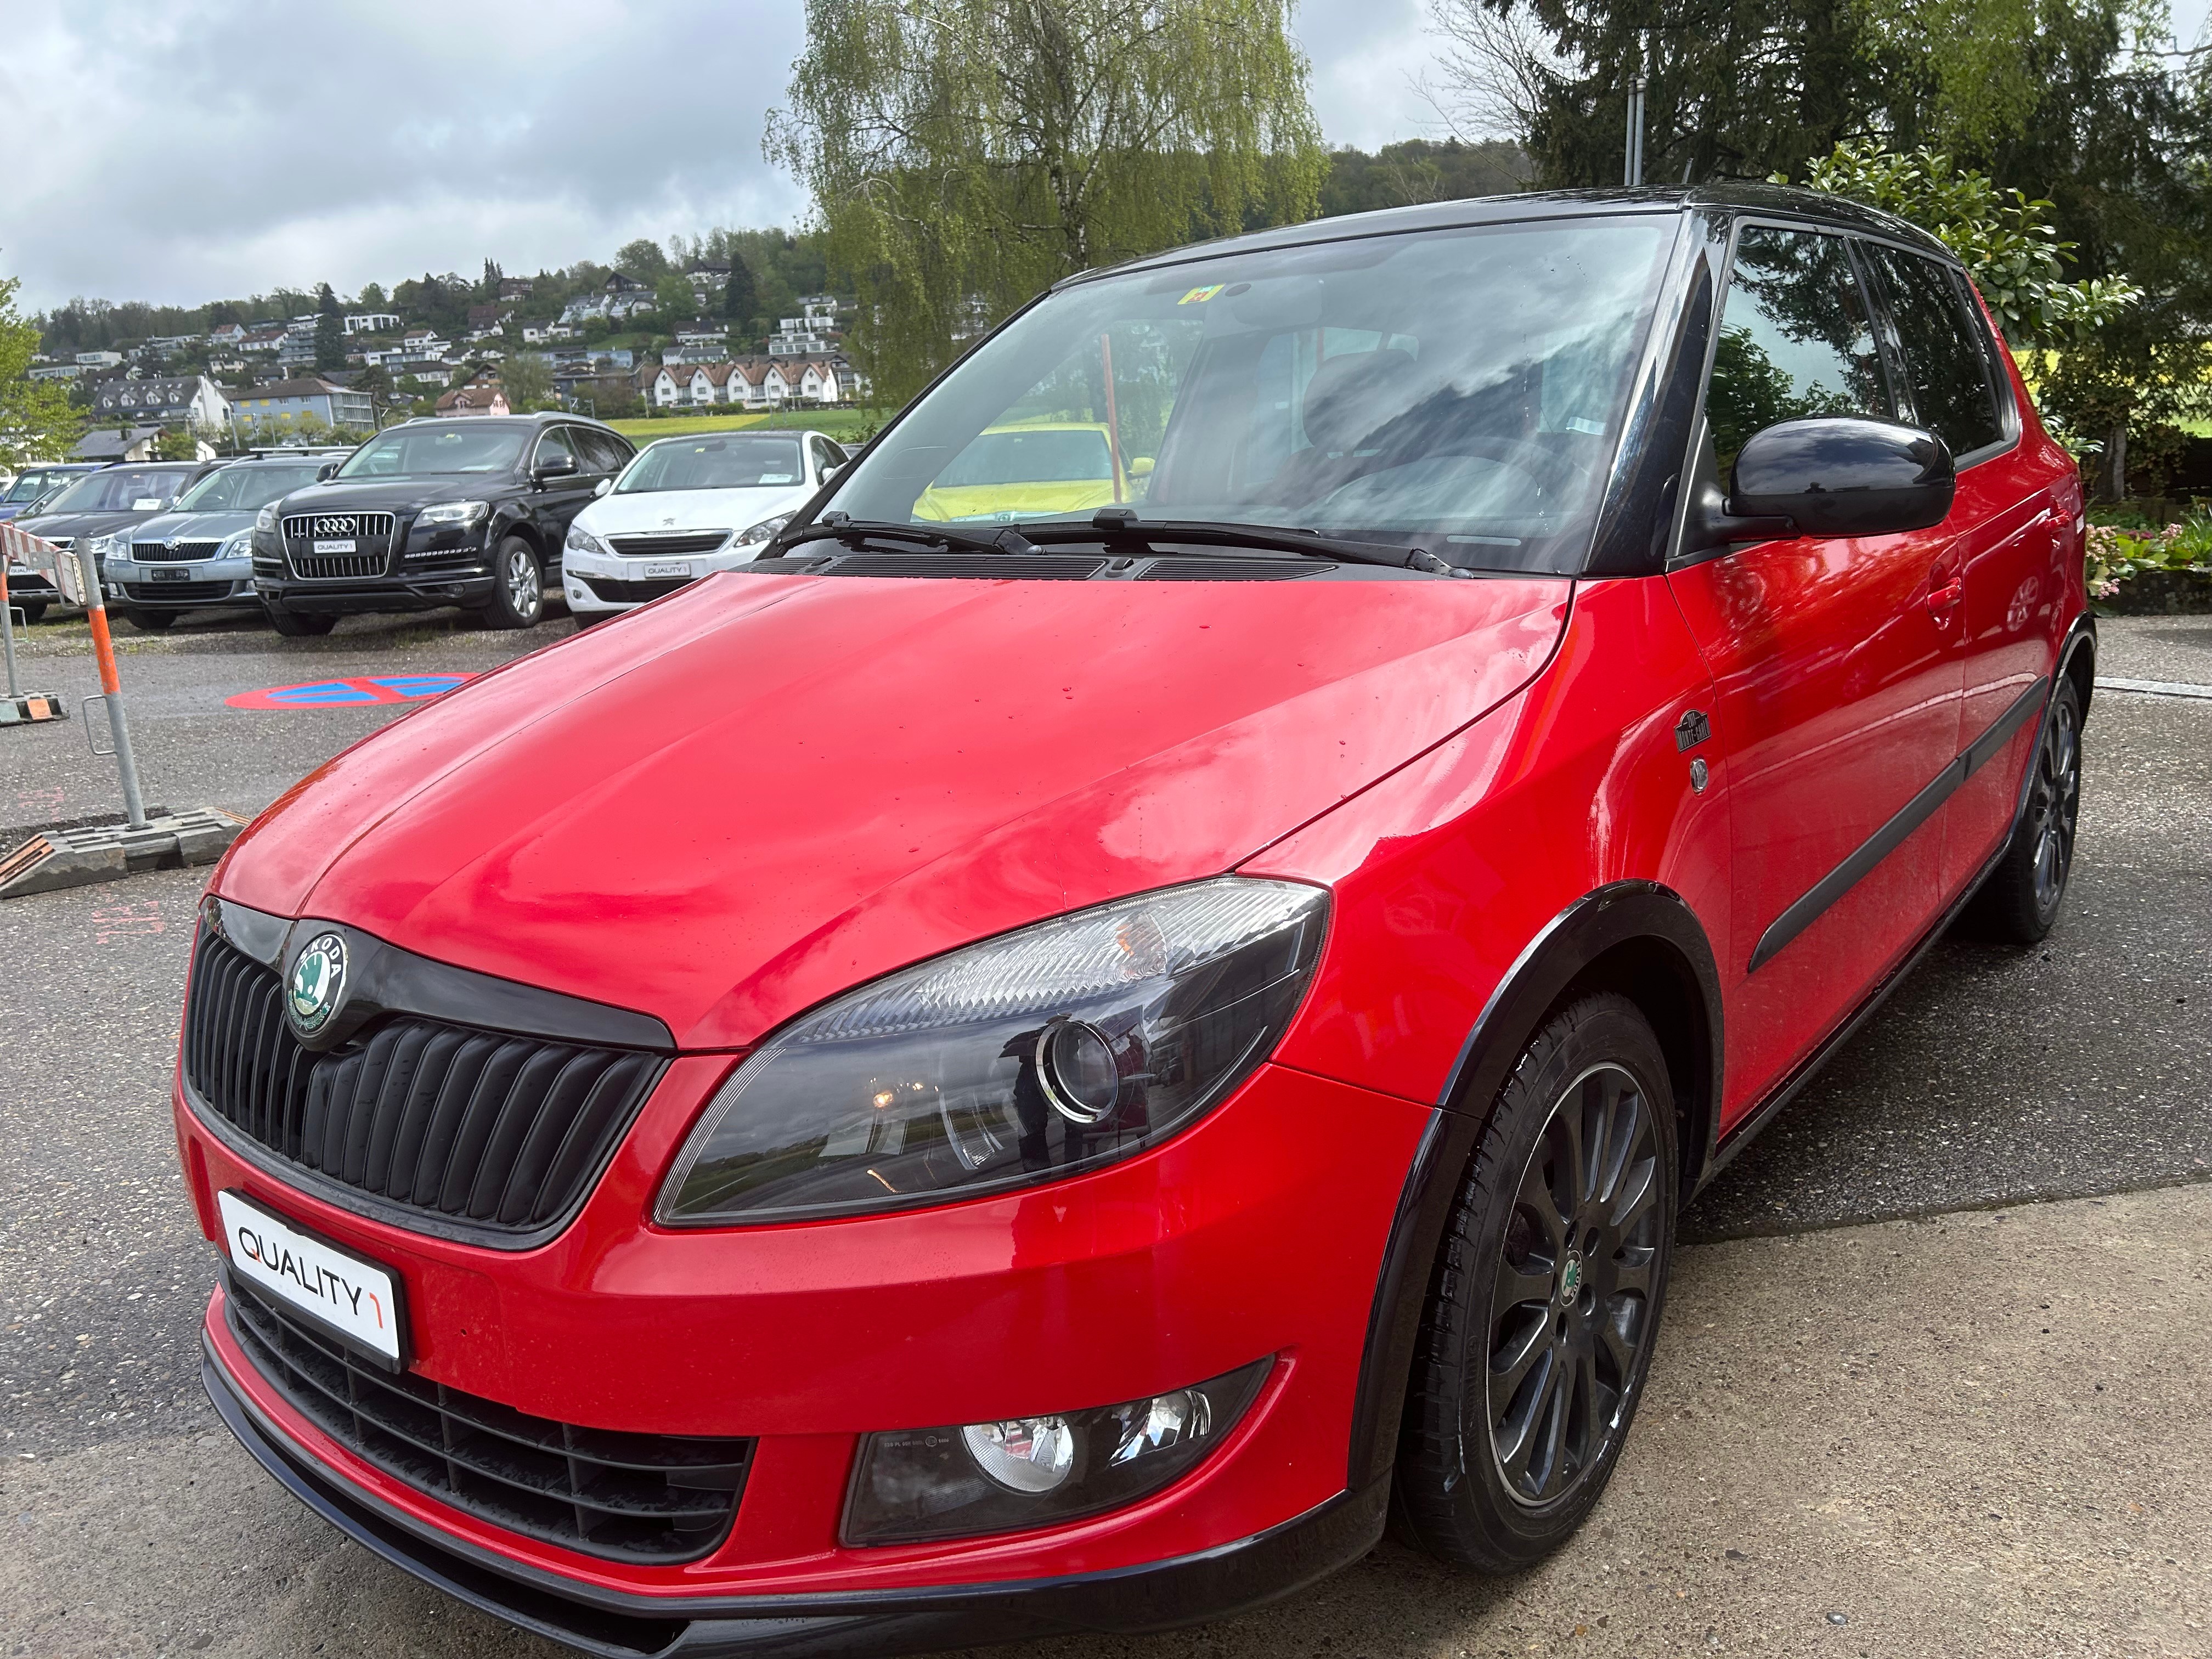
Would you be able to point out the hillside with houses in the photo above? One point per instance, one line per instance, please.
(721, 323)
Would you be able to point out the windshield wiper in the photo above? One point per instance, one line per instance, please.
(836, 527)
(1121, 523)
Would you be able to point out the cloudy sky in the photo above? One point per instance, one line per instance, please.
(202, 150)
(205, 148)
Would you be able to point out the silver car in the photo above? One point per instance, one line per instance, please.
(199, 554)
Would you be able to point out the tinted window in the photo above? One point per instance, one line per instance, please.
(1945, 367)
(1795, 339)
(607, 452)
(417, 451)
(552, 446)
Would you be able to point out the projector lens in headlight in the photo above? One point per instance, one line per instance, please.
(1023, 1059)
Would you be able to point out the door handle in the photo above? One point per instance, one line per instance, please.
(1943, 600)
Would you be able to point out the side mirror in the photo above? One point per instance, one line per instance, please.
(1140, 467)
(602, 486)
(327, 470)
(555, 467)
(1831, 475)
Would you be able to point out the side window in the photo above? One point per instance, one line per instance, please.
(551, 445)
(1795, 339)
(607, 455)
(1946, 367)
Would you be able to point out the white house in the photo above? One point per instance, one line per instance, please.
(98, 358)
(189, 399)
(474, 400)
(371, 322)
(230, 334)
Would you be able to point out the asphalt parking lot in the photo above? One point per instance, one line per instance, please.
(1899, 1386)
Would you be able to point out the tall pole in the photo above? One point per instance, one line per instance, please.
(103, 647)
(1633, 149)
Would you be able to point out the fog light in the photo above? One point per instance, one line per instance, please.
(1028, 1472)
(1027, 1454)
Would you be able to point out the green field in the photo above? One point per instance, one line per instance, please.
(837, 423)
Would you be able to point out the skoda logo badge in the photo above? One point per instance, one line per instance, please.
(318, 983)
(1570, 1280)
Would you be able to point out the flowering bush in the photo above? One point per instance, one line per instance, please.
(2116, 554)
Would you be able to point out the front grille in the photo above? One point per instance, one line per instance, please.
(649, 1498)
(330, 565)
(175, 552)
(611, 589)
(337, 526)
(176, 592)
(501, 1134)
(661, 547)
(371, 532)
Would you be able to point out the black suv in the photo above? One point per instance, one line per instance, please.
(469, 511)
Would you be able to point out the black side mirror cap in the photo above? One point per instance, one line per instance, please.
(1829, 475)
(554, 466)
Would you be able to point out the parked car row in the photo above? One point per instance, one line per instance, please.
(480, 512)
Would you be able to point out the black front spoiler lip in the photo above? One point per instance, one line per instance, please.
(1229, 1579)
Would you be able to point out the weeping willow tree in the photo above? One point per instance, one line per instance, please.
(962, 154)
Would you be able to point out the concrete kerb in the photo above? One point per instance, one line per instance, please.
(58, 858)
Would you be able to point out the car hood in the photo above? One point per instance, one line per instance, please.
(52, 525)
(395, 494)
(192, 526)
(670, 511)
(765, 789)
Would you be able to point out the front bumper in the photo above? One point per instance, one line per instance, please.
(1261, 1230)
(419, 568)
(596, 583)
(203, 583)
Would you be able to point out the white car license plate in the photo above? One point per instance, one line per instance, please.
(334, 547)
(175, 573)
(653, 570)
(346, 1295)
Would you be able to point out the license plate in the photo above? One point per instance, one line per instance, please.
(346, 1295)
(174, 574)
(334, 547)
(652, 570)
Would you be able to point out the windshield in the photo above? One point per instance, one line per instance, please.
(411, 452)
(1460, 391)
(741, 463)
(244, 489)
(121, 489)
(32, 485)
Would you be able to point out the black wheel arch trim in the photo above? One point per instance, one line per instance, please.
(1229, 1579)
(1643, 914)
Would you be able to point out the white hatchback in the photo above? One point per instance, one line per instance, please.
(685, 508)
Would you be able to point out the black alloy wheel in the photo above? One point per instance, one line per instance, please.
(1546, 1298)
(2019, 903)
(518, 597)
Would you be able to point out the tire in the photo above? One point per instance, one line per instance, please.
(300, 624)
(151, 621)
(2019, 900)
(31, 610)
(1498, 1464)
(518, 597)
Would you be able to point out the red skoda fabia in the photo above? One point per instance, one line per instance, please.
(1142, 991)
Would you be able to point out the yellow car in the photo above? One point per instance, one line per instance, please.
(1033, 469)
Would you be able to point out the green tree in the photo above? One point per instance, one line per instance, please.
(528, 380)
(642, 259)
(740, 298)
(329, 331)
(964, 155)
(372, 297)
(36, 420)
(672, 297)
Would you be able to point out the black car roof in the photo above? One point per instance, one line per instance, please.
(1724, 200)
(531, 417)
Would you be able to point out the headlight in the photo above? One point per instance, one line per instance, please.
(463, 512)
(754, 535)
(581, 540)
(1053, 1049)
(111, 547)
(238, 546)
(267, 517)
(1024, 1472)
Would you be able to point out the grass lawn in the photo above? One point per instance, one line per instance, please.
(837, 423)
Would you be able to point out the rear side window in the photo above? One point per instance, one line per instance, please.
(1947, 369)
(605, 451)
(1795, 341)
